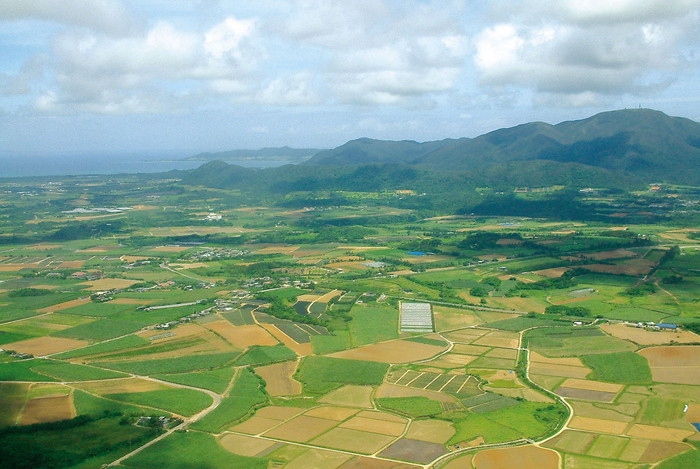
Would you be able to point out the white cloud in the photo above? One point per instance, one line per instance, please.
(99, 73)
(295, 90)
(580, 50)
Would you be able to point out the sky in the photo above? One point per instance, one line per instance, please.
(178, 77)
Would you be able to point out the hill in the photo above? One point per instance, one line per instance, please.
(640, 142)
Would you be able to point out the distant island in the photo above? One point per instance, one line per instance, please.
(290, 155)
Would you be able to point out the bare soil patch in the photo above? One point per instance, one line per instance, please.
(495, 341)
(353, 396)
(396, 351)
(470, 349)
(679, 364)
(242, 336)
(71, 264)
(245, 445)
(279, 378)
(522, 457)
(569, 361)
(129, 301)
(631, 267)
(47, 409)
(452, 360)
(465, 336)
(40, 346)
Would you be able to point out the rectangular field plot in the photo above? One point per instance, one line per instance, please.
(353, 440)
(440, 381)
(416, 317)
(300, 333)
(240, 317)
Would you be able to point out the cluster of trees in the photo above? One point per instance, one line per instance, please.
(563, 310)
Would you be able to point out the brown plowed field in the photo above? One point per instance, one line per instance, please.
(279, 378)
(586, 394)
(242, 336)
(396, 351)
(659, 450)
(47, 409)
(674, 364)
(40, 346)
(418, 451)
(522, 457)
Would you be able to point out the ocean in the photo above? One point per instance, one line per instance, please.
(72, 165)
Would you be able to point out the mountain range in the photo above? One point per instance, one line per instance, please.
(611, 149)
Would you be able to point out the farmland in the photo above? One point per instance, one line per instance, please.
(273, 335)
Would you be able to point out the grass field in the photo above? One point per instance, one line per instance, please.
(246, 394)
(214, 380)
(189, 450)
(172, 365)
(119, 344)
(262, 355)
(322, 374)
(623, 367)
(411, 406)
(185, 402)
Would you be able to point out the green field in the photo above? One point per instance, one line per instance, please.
(622, 368)
(185, 402)
(261, 355)
(172, 365)
(411, 406)
(322, 374)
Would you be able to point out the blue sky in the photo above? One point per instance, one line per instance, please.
(179, 77)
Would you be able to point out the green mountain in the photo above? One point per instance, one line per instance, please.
(640, 142)
(618, 149)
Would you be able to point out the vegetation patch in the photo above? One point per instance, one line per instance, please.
(622, 368)
(180, 401)
(411, 406)
(320, 375)
(262, 355)
(172, 365)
